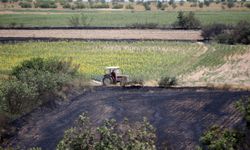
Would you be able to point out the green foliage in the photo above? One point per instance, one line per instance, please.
(238, 34)
(25, 4)
(80, 5)
(117, 6)
(244, 106)
(129, 6)
(34, 79)
(247, 5)
(66, 5)
(146, 6)
(109, 135)
(187, 21)
(79, 20)
(100, 5)
(18, 97)
(45, 4)
(207, 3)
(167, 81)
(201, 4)
(219, 139)
(211, 31)
(230, 4)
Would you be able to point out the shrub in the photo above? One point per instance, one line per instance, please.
(216, 138)
(226, 38)
(80, 5)
(243, 106)
(201, 4)
(230, 4)
(117, 6)
(45, 4)
(167, 81)
(18, 97)
(110, 135)
(25, 5)
(33, 80)
(101, 5)
(187, 21)
(182, 2)
(159, 5)
(193, 5)
(129, 6)
(241, 32)
(211, 31)
(174, 5)
(247, 5)
(147, 6)
(79, 20)
(207, 3)
(66, 5)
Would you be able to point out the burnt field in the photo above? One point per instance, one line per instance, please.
(179, 115)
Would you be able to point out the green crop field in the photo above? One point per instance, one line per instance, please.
(144, 59)
(119, 18)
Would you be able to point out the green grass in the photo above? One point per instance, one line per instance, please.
(147, 60)
(121, 18)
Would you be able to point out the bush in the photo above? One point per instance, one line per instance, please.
(25, 5)
(117, 6)
(80, 5)
(79, 20)
(201, 4)
(187, 21)
(218, 139)
(33, 80)
(247, 5)
(46, 4)
(129, 6)
(159, 5)
(101, 5)
(66, 5)
(193, 5)
(207, 3)
(167, 81)
(211, 31)
(18, 97)
(226, 38)
(110, 135)
(243, 106)
(147, 6)
(230, 4)
(241, 32)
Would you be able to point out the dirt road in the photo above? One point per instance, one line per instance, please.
(101, 34)
(179, 115)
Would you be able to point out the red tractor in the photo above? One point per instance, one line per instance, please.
(113, 75)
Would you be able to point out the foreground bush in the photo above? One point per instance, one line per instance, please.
(217, 138)
(167, 81)
(110, 135)
(34, 79)
(244, 106)
(220, 138)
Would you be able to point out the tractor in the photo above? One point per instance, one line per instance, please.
(113, 75)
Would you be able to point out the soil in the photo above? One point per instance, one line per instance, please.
(112, 34)
(179, 115)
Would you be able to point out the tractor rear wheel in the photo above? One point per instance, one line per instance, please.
(107, 81)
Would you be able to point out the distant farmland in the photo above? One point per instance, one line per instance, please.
(116, 18)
